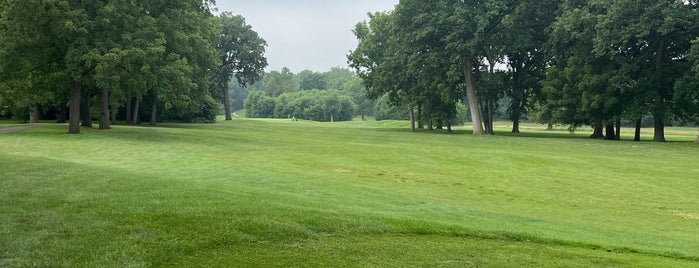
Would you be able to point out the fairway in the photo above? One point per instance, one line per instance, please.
(277, 193)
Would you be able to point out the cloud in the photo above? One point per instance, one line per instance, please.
(306, 34)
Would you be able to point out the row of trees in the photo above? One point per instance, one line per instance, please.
(174, 57)
(578, 61)
(335, 95)
(317, 105)
(289, 89)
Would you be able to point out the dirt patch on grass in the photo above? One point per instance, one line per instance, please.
(342, 170)
(14, 129)
(686, 215)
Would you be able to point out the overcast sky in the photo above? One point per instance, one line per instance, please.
(306, 34)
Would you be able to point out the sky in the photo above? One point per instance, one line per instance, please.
(305, 34)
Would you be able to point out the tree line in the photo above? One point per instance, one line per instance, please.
(136, 60)
(569, 62)
(335, 95)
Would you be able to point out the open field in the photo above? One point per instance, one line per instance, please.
(281, 193)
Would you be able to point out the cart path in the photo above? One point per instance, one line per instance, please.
(14, 129)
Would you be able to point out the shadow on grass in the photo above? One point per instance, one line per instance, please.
(555, 134)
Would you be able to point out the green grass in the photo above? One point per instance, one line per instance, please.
(363, 193)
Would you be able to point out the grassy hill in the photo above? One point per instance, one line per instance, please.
(280, 193)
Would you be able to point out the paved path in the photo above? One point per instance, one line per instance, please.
(14, 129)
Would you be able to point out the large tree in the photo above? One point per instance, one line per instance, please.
(47, 43)
(524, 51)
(654, 36)
(383, 62)
(125, 43)
(686, 97)
(124, 48)
(241, 55)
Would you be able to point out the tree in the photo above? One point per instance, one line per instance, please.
(276, 83)
(180, 78)
(357, 91)
(686, 97)
(259, 105)
(241, 54)
(47, 42)
(524, 51)
(337, 77)
(582, 86)
(311, 80)
(653, 36)
(383, 62)
(125, 41)
(125, 48)
(317, 105)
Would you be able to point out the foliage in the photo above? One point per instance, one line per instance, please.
(311, 80)
(624, 57)
(127, 51)
(315, 105)
(276, 83)
(384, 110)
(340, 83)
(686, 91)
(259, 105)
(584, 62)
(241, 55)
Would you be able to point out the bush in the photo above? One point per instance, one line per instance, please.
(385, 111)
(259, 105)
(316, 105)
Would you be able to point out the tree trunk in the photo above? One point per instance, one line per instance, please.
(136, 118)
(154, 112)
(449, 126)
(104, 109)
(85, 113)
(490, 115)
(599, 129)
(490, 106)
(430, 127)
(486, 119)
(34, 114)
(516, 111)
(61, 116)
(659, 111)
(412, 118)
(549, 127)
(659, 131)
(226, 100)
(609, 135)
(515, 125)
(74, 118)
(128, 110)
(420, 122)
(472, 96)
(637, 135)
(618, 129)
(332, 118)
(517, 95)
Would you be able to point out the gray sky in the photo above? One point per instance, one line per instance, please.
(305, 34)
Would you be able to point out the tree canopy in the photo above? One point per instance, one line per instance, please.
(123, 54)
(578, 62)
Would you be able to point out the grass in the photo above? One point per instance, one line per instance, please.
(280, 193)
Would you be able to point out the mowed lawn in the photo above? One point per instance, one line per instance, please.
(277, 193)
